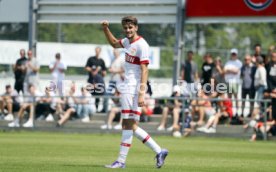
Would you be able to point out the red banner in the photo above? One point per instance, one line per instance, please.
(230, 8)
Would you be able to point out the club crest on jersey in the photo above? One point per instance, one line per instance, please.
(258, 5)
(132, 51)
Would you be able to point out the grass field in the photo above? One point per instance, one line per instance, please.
(39, 151)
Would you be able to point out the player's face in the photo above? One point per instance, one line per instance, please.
(130, 30)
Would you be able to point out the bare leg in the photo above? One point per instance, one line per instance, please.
(176, 112)
(66, 116)
(112, 115)
(164, 116)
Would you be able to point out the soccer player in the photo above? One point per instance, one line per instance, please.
(132, 99)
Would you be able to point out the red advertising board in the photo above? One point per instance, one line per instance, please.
(230, 8)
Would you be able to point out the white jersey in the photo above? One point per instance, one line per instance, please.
(136, 53)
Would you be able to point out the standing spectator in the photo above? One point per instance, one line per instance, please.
(9, 100)
(248, 71)
(32, 70)
(95, 66)
(57, 69)
(260, 80)
(271, 75)
(207, 68)
(258, 52)
(189, 71)
(232, 70)
(19, 71)
(218, 73)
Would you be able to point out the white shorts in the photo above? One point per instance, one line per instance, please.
(130, 109)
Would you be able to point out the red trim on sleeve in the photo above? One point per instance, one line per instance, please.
(144, 62)
(120, 41)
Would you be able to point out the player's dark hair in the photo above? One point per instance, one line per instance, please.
(257, 45)
(190, 52)
(129, 19)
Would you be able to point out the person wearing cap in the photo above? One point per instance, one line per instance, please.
(232, 72)
(260, 82)
(173, 107)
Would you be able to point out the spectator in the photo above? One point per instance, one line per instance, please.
(217, 73)
(9, 100)
(117, 73)
(248, 71)
(174, 107)
(113, 113)
(57, 69)
(225, 112)
(271, 81)
(232, 75)
(19, 71)
(187, 123)
(84, 105)
(95, 66)
(189, 71)
(203, 107)
(207, 68)
(32, 70)
(46, 105)
(70, 105)
(30, 100)
(258, 52)
(260, 82)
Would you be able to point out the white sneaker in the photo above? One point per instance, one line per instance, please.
(14, 124)
(170, 128)
(201, 129)
(29, 124)
(50, 118)
(85, 119)
(211, 130)
(104, 127)
(9, 117)
(177, 134)
(118, 127)
(160, 128)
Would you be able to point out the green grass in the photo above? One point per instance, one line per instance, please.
(39, 151)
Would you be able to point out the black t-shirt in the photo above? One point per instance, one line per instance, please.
(94, 62)
(19, 74)
(207, 69)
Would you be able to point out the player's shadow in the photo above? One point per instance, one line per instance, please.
(83, 165)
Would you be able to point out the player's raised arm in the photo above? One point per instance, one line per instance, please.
(114, 42)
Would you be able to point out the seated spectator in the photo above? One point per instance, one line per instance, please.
(84, 105)
(46, 105)
(202, 107)
(173, 107)
(70, 105)
(114, 112)
(30, 100)
(225, 112)
(187, 123)
(10, 101)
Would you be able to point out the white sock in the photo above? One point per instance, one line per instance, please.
(147, 140)
(127, 136)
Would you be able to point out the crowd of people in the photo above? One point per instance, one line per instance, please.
(215, 100)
